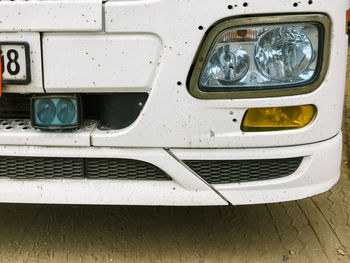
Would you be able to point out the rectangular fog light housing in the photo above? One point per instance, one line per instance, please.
(56, 112)
(278, 118)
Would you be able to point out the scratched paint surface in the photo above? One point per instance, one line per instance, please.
(311, 230)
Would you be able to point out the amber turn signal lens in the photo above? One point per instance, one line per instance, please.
(277, 118)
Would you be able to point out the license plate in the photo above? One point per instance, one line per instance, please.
(15, 61)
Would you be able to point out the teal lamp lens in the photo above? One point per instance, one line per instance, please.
(55, 112)
(66, 111)
(45, 111)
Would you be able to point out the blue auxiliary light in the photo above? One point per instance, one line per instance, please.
(56, 112)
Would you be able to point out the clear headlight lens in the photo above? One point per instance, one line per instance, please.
(227, 66)
(262, 57)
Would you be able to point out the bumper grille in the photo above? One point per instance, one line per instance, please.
(15, 106)
(123, 169)
(237, 171)
(38, 167)
(42, 167)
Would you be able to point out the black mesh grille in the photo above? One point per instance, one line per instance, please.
(43, 167)
(39, 167)
(236, 171)
(123, 169)
(15, 106)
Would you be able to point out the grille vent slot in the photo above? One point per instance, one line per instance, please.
(46, 167)
(40, 167)
(237, 171)
(123, 169)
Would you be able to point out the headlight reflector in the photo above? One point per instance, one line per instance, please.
(226, 66)
(285, 53)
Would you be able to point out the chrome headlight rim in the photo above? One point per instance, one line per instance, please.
(211, 37)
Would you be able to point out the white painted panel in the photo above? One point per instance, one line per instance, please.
(33, 39)
(21, 132)
(56, 15)
(173, 118)
(319, 171)
(100, 63)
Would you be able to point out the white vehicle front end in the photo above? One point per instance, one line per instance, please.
(179, 147)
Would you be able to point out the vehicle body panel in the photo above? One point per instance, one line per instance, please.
(150, 46)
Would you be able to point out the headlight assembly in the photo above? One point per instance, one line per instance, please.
(261, 57)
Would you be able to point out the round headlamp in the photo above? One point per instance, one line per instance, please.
(284, 54)
(66, 111)
(227, 66)
(46, 111)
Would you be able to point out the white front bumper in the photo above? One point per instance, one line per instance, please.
(318, 172)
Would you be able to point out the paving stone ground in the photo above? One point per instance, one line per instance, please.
(311, 230)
